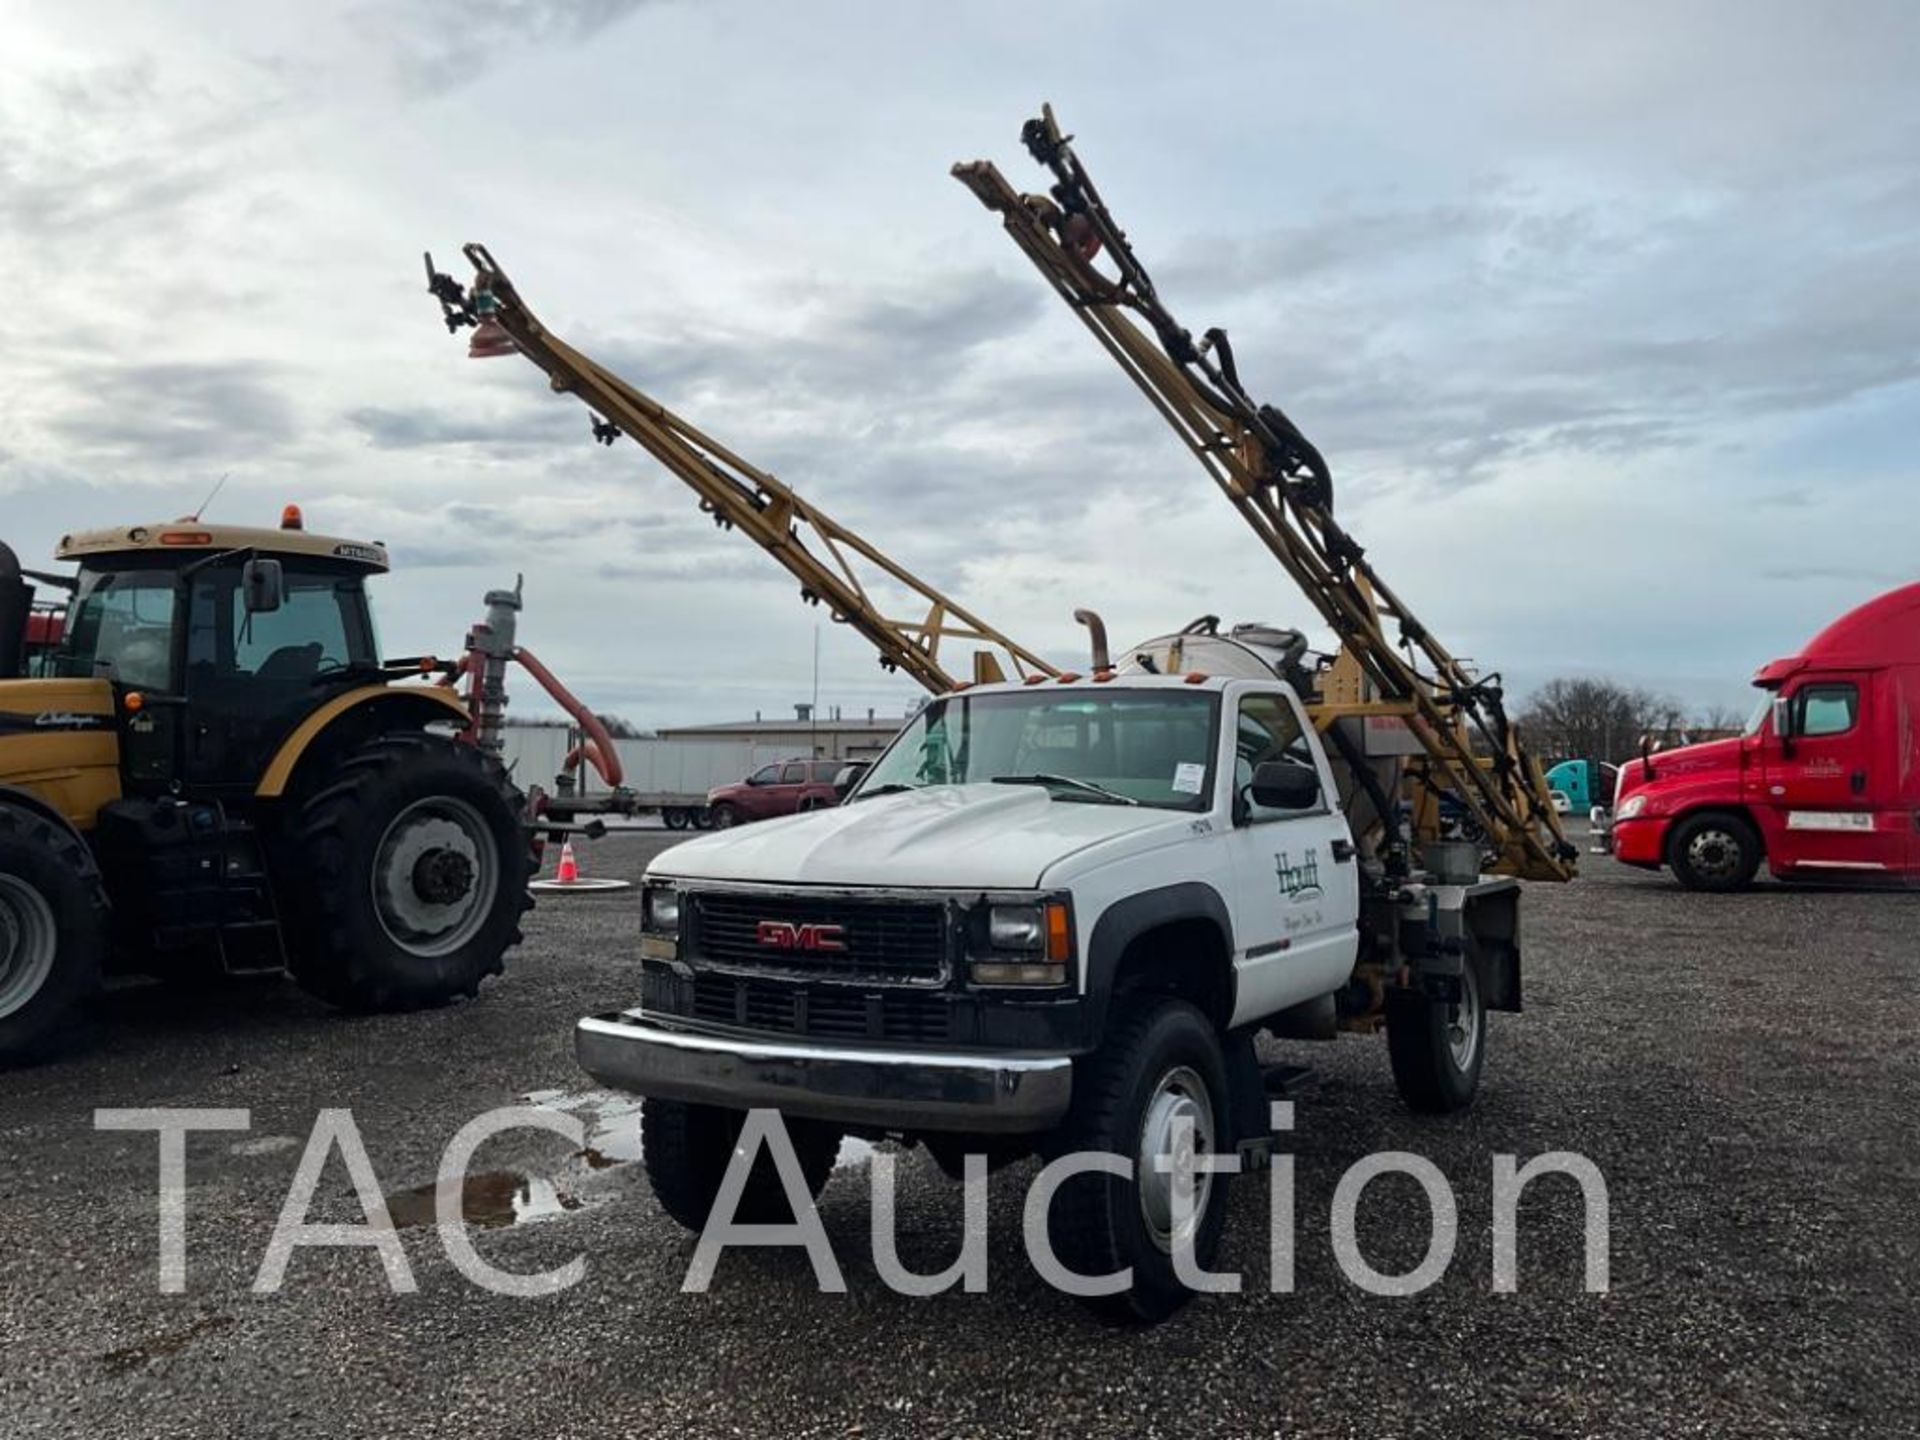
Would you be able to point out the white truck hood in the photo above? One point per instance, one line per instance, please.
(949, 837)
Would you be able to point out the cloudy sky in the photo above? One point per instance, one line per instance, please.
(1607, 316)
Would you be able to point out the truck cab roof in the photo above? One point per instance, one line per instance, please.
(1883, 631)
(194, 536)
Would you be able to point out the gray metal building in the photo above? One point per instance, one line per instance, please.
(827, 736)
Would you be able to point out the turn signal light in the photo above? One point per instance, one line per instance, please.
(1059, 937)
(134, 702)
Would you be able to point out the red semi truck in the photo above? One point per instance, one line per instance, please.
(1823, 784)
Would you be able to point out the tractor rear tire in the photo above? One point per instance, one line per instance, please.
(53, 931)
(407, 876)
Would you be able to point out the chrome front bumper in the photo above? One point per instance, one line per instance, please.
(1600, 835)
(888, 1089)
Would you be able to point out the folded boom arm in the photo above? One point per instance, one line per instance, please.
(834, 565)
(1281, 486)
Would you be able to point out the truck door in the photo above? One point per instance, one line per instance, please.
(1296, 883)
(1831, 781)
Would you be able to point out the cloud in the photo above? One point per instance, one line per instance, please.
(394, 429)
(440, 45)
(164, 413)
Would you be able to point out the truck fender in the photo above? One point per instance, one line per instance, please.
(410, 707)
(1125, 921)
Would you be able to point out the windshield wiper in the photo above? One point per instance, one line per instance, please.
(1112, 797)
(892, 787)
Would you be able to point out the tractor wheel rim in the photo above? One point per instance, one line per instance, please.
(1175, 1132)
(435, 876)
(1714, 854)
(1463, 1022)
(29, 942)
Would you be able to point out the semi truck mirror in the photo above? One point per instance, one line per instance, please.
(263, 585)
(1783, 721)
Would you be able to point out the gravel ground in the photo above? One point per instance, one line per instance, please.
(1743, 1070)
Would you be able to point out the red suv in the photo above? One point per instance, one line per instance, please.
(783, 788)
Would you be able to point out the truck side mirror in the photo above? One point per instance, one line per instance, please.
(846, 778)
(1783, 721)
(262, 586)
(1285, 785)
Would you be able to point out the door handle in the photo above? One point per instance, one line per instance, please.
(1342, 851)
(1858, 780)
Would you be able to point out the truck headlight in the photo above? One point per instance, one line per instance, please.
(1016, 927)
(660, 922)
(1028, 944)
(1630, 807)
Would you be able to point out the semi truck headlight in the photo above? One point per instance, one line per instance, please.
(1025, 945)
(1630, 807)
(660, 922)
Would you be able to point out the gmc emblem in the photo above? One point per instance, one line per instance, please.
(785, 935)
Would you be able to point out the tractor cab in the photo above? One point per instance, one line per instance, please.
(217, 639)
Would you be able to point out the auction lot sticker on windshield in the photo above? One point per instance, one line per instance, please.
(1189, 777)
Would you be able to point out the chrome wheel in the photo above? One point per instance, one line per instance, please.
(435, 876)
(1463, 1022)
(1177, 1128)
(29, 941)
(1715, 855)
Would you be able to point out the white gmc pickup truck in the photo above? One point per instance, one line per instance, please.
(1051, 917)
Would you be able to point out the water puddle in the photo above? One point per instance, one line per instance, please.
(487, 1201)
(264, 1145)
(497, 1198)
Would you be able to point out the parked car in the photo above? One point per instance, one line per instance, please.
(785, 787)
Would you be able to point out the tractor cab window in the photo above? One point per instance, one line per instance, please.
(121, 629)
(307, 636)
(320, 629)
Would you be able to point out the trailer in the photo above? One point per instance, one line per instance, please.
(670, 778)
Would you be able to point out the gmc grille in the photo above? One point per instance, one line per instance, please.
(890, 940)
(826, 1012)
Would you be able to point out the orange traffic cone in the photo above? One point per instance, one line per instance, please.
(569, 871)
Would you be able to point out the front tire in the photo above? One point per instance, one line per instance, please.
(407, 876)
(724, 817)
(1162, 1063)
(53, 931)
(1714, 850)
(1437, 1047)
(686, 1149)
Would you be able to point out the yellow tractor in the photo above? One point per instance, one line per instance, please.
(211, 766)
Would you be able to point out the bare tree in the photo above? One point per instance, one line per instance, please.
(1580, 718)
(1718, 720)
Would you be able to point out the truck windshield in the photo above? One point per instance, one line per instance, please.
(1149, 747)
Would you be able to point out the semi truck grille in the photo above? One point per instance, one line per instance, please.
(824, 936)
(838, 1012)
